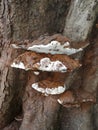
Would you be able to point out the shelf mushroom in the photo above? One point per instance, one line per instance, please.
(49, 63)
(49, 87)
(75, 98)
(55, 44)
(49, 54)
(45, 62)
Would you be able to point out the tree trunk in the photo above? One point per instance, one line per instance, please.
(80, 19)
(28, 19)
(23, 19)
(78, 26)
(77, 119)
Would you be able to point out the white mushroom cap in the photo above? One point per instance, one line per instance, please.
(46, 64)
(36, 72)
(54, 47)
(19, 65)
(55, 44)
(49, 87)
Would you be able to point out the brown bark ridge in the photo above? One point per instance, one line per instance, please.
(40, 112)
(30, 18)
(77, 118)
(83, 118)
(11, 87)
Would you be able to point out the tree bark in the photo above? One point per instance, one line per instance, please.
(78, 26)
(23, 19)
(11, 84)
(80, 19)
(28, 19)
(77, 118)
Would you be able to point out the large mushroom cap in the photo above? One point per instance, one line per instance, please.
(55, 44)
(49, 87)
(44, 62)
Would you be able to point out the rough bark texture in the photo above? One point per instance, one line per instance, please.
(85, 118)
(40, 112)
(28, 19)
(76, 119)
(79, 23)
(80, 19)
(23, 19)
(11, 84)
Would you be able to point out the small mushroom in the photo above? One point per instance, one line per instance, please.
(19, 118)
(44, 62)
(55, 44)
(75, 98)
(66, 98)
(36, 72)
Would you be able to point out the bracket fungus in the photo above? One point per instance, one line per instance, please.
(55, 44)
(49, 54)
(75, 98)
(45, 62)
(49, 87)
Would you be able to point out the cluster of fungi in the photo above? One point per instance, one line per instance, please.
(51, 54)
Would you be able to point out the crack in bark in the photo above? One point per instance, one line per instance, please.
(3, 8)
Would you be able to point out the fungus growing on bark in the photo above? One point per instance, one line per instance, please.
(74, 98)
(45, 62)
(56, 44)
(48, 63)
(49, 54)
(49, 87)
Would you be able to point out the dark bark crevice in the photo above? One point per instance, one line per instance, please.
(11, 87)
(22, 20)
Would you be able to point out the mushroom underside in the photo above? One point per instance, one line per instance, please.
(45, 62)
(49, 87)
(55, 44)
